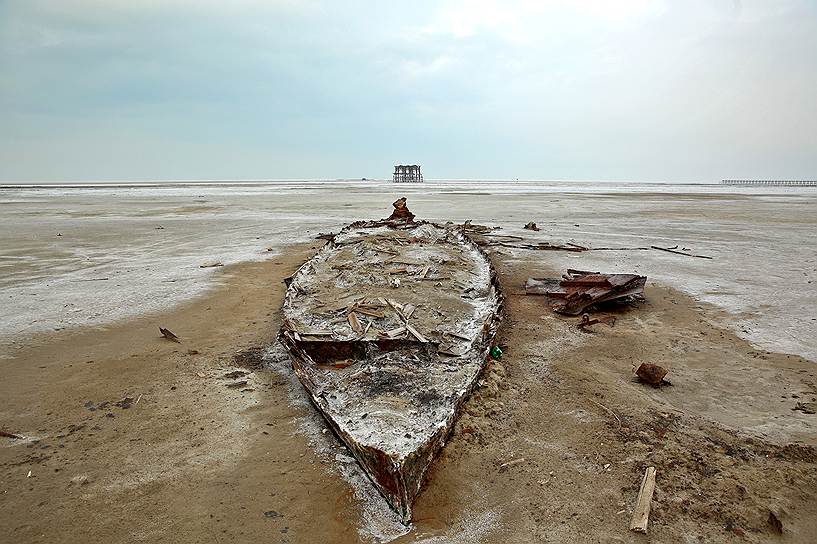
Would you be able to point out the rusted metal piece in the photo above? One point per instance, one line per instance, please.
(651, 374)
(576, 292)
(587, 322)
(392, 374)
(401, 211)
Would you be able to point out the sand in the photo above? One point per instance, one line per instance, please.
(199, 456)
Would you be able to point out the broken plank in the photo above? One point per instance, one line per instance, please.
(354, 322)
(668, 250)
(394, 333)
(367, 311)
(641, 514)
(415, 333)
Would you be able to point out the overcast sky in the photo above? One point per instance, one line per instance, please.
(691, 90)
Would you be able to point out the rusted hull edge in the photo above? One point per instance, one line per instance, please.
(399, 483)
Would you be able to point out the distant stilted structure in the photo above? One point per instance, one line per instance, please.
(770, 182)
(407, 173)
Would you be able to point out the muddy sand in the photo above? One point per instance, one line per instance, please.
(129, 437)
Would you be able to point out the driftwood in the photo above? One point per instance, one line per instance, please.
(542, 246)
(672, 250)
(10, 435)
(641, 514)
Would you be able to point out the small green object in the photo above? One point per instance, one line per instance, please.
(496, 352)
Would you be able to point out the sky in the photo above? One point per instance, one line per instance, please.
(687, 90)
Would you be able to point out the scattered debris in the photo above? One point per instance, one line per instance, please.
(124, 403)
(496, 352)
(531, 226)
(470, 228)
(169, 335)
(543, 246)
(272, 514)
(641, 513)
(511, 463)
(211, 264)
(609, 320)
(672, 250)
(81, 479)
(805, 407)
(94, 407)
(651, 374)
(579, 290)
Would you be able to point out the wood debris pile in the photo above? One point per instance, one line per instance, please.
(578, 290)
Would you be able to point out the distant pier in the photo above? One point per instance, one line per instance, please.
(770, 182)
(407, 173)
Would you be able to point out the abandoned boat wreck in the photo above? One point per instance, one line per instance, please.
(388, 328)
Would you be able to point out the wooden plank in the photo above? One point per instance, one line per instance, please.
(415, 333)
(668, 250)
(641, 514)
(354, 323)
(394, 333)
(396, 306)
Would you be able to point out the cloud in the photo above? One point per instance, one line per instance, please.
(253, 88)
(528, 21)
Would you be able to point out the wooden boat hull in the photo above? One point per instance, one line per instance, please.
(389, 364)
